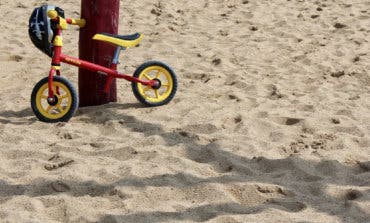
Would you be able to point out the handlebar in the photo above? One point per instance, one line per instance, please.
(63, 23)
(79, 22)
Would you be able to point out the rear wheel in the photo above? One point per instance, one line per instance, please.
(65, 100)
(164, 92)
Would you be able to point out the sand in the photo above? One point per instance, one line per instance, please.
(270, 123)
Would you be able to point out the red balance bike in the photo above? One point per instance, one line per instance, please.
(54, 99)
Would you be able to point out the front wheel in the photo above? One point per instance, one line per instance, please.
(155, 96)
(65, 100)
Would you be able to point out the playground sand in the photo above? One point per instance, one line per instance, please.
(270, 123)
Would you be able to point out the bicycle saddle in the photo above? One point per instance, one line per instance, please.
(119, 40)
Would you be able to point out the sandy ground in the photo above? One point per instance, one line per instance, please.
(271, 121)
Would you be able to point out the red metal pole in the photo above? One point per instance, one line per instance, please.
(101, 16)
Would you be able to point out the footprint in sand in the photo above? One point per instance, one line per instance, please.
(203, 155)
(247, 195)
(236, 123)
(253, 195)
(276, 136)
(292, 206)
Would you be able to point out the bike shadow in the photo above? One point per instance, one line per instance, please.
(21, 117)
(27, 117)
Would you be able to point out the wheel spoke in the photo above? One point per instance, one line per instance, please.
(156, 94)
(60, 108)
(147, 76)
(44, 97)
(65, 96)
(48, 108)
(158, 74)
(147, 88)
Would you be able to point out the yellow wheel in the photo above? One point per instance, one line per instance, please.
(166, 89)
(64, 105)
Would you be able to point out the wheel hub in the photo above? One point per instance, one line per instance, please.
(157, 84)
(53, 101)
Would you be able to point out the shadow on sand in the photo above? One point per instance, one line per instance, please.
(22, 117)
(306, 181)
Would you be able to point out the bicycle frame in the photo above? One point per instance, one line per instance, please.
(111, 73)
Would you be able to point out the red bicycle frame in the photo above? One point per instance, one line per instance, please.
(58, 57)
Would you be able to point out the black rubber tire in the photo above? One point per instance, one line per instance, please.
(74, 104)
(135, 84)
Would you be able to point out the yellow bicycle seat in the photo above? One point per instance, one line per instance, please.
(120, 40)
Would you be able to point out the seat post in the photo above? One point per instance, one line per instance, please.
(116, 55)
